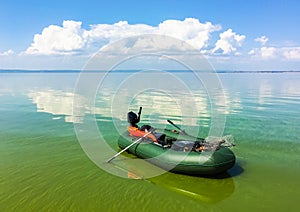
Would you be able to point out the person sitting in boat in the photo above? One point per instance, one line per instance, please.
(134, 129)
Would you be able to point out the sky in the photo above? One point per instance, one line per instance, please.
(231, 34)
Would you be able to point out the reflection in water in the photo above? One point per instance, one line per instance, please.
(206, 190)
(291, 89)
(210, 189)
(57, 103)
(265, 92)
(232, 105)
(157, 106)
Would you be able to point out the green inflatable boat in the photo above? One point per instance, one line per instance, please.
(176, 151)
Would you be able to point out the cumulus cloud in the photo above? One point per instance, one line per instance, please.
(190, 30)
(71, 38)
(252, 52)
(113, 32)
(268, 52)
(229, 42)
(291, 53)
(263, 52)
(58, 40)
(283, 53)
(262, 40)
(7, 53)
(271, 52)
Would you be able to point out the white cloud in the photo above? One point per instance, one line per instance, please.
(262, 40)
(190, 30)
(71, 38)
(113, 32)
(291, 53)
(263, 52)
(75, 44)
(282, 53)
(268, 52)
(58, 40)
(229, 42)
(7, 53)
(271, 53)
(253, 52)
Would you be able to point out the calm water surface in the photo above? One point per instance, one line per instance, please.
(44, 168)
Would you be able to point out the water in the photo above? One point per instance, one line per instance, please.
(43, 166)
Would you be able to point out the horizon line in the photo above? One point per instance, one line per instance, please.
(136, 70)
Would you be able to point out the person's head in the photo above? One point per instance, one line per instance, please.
(132, 118)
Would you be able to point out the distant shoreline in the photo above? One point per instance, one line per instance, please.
(133, 71)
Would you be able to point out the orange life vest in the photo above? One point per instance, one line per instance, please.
(134, 131)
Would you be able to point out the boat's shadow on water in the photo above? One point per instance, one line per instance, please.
(206, 189)
(236, 170)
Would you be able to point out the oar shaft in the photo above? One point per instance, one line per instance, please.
(174, 125)
(138, 140)
(184, 133)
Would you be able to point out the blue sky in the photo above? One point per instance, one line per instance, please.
(257, 35)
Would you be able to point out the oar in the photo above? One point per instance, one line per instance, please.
(137, 141)
(184, 133)
(222, 141)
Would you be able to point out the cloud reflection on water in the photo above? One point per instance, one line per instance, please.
(55, 102)
(261, 93)
(158, 107)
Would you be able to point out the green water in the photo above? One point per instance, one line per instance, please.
(43, 167)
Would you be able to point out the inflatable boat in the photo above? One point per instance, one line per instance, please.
(175, 150)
